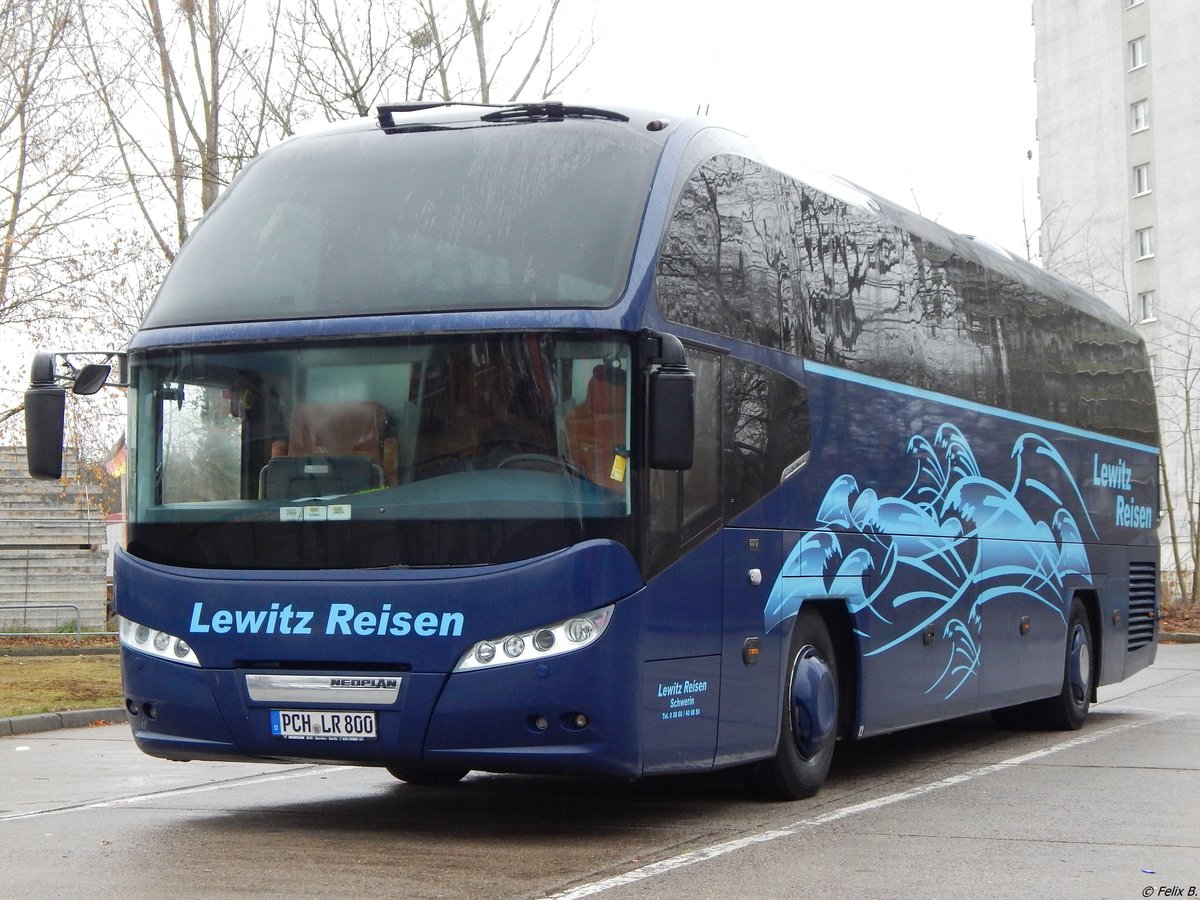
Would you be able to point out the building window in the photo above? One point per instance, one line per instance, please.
(1137, 53)
(1144, 238)
(1141, 115)
(1146, 305)
(1132, 3)
(1141, 179)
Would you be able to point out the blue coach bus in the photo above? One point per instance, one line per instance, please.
(555, 439)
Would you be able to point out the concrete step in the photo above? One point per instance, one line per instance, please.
(52, 547)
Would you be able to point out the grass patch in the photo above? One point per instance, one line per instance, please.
(37, 684)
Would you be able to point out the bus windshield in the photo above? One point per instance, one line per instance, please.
(498, 217)
(415, 452)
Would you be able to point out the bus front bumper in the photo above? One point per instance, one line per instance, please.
(551, 717)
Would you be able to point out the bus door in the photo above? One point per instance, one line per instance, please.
(750, 656)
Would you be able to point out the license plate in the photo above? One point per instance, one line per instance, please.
(323, 724)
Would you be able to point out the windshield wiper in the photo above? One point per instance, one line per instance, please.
(550, 111)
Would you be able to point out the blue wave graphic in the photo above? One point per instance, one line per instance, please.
(952, 530)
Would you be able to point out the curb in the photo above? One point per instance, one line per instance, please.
(59, 651)
(1179, 637)
(52, 721)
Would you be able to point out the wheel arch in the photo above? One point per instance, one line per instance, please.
(836, 615)
(1090, 598)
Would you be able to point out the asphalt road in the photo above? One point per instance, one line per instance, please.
(955, 810)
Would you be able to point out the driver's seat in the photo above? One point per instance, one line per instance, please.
(332, 449)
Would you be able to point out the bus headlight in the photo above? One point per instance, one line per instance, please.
(155, 643)
(562, 637)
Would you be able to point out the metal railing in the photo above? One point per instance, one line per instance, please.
(70, 532)
(44, 606)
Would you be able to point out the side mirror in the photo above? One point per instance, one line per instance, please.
(91, 378)
(45, 411)
(672, 409)
(46, 401)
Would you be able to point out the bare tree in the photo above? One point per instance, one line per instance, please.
(168, 109)
(1178, 386)
(530, 45)
(49, 148)
(345, 58)
(45, 149)
(348, 59)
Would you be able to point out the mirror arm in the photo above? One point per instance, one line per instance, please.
(74, 373)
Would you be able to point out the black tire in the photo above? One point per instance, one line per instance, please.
(1068, 710)
(418, 773)
(809, 720)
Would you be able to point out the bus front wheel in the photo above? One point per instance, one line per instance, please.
(809, 720)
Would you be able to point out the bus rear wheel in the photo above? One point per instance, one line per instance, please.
(809, 720)
(1068, 710)
(417, 773)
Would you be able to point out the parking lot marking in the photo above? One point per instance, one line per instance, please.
(716, 850)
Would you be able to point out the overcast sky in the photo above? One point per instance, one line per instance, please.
(930, 103)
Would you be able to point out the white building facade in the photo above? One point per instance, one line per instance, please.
(1118, 93)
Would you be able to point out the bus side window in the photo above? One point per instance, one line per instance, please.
(702, 483)
(767, 431)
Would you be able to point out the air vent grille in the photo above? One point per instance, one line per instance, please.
(1143, 604)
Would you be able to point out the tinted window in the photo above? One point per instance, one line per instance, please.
(542, 214)
(767, 430)
(760, 257)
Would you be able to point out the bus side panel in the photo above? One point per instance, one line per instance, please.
(681, 702)
(1136, 660)
(1113, 606)
(958, 535)
(1024, 637)
(1128, 615)
(683, 605)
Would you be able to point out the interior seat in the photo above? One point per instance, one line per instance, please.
(332, 448)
